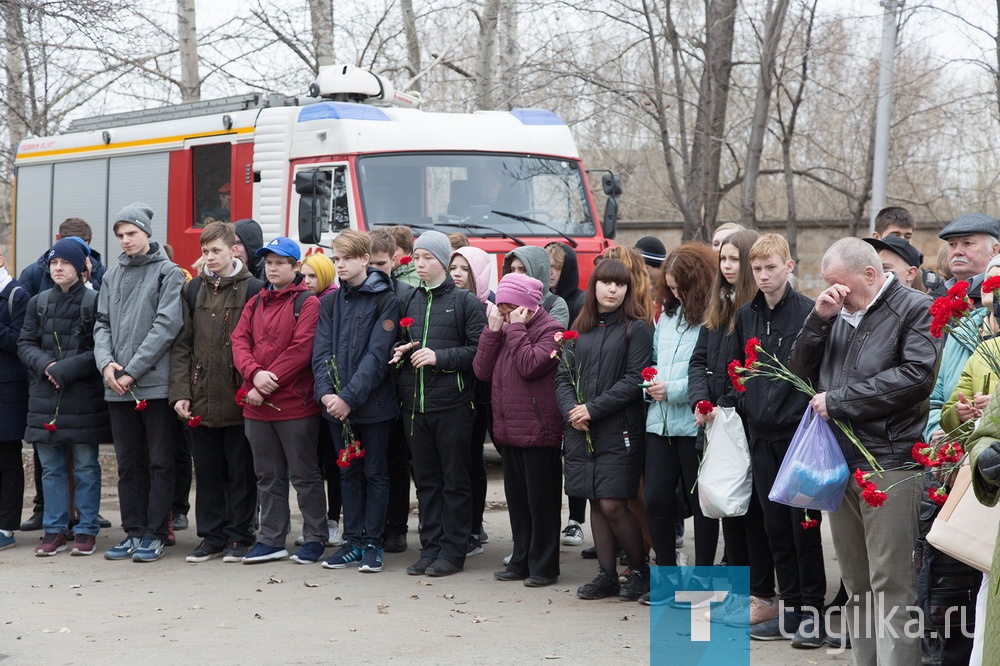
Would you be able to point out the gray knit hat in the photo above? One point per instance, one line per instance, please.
(437, 244)
(138, 214)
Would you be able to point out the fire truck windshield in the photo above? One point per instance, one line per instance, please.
(482, 192)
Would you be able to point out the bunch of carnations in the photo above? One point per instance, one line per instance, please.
(566, 353)
(352, 444)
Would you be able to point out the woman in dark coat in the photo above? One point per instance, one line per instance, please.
(13, 405)
(66, 409)
(604, 433)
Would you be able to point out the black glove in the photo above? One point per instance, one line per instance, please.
(989, 463)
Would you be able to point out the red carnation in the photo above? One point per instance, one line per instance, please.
(704, 407)
(50, 426)
(920, 453)
(141, 405)
(861, 478)
(406, 322)
(991, 284)
(873, 496)
(734, 376)
(750, 351)
(649, 374)
(343, 461)
(949, 452)
(959, 289)
(405, 260)
(194, 421)
(570, 335)
(809, 524)
(938, 495)
(241, 396)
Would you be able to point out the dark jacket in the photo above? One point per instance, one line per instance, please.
(452, 330)
(13, 377)
(877, 377)
(201, 361)
(270, 337)
(610, 359)
(357, 327)
(36, 278)
(708, 378)
(771, 408)
(250, 234)
(568, 286)
(517, 361)
(62, 337)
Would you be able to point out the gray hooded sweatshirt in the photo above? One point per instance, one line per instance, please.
(536, 262)
(138, 317)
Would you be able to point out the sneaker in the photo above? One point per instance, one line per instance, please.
(124, 549)
(735, 605)
(507, 559)
(342, 557)
(760, 611)
(7, 541)
(636, 586)
(811, 634)
(261, 552)
(334, 538)
(309, 553)
(600, 588)
(235, 552)
(703, 590)
(371, 559)
(181, 522)
(149, 550)
(781, 628)
(474, 547)
(678, 541)
(52, 543)
(204, 552)
(32, 524)
(483, 536)
(572, 534)
(395, 543)
(84, 544)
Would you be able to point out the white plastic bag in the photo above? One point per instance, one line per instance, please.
(724, 481)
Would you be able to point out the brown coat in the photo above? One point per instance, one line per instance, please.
(201, 361)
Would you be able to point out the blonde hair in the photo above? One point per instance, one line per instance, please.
(557, 255)
(324, 269)
(353, 243)
(769, 244)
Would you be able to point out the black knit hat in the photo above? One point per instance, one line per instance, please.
(652, 250)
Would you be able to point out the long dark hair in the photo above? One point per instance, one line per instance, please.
(691, 264)
(727, 298)
(609, 270)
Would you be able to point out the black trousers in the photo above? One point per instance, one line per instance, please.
(182, 481)
(747, 546)
(532, 482)
(39, 501)
(226, 494)
(481, 423)
(11, 485)
(144, 447)
(327, 452)
(797, 552)
(669, 459)
(398, 509)
(441, 464)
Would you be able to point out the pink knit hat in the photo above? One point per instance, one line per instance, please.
(523, 291)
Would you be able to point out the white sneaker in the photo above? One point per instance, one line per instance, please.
(300, 540)
(506, 560)
(334, 538)
(572, 534)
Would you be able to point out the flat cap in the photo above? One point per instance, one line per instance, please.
(971, 223)
(900, 246)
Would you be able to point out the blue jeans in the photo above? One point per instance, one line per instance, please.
(364, 486)
(55, 483)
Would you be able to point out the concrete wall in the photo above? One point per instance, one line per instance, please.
(814, 236)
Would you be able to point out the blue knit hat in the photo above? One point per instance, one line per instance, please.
(69, 250)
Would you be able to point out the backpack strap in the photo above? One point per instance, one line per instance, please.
(41, 304)
(254, 286)
(192, 297)
(88, 308)
(548, 302)
(300, 299)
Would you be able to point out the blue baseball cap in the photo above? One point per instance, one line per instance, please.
(282, 245)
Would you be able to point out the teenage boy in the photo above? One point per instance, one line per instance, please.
(771, 410)
(355, 334)
(272, 351)
(398, 509)
(203, 385)
(435, 389)
(138, 317)
(403, 269)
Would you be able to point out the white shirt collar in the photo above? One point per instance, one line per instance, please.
(854, 318)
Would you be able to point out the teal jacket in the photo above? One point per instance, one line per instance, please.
(953, 359)
(674, 341)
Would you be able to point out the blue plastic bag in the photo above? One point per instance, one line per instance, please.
(814, 473)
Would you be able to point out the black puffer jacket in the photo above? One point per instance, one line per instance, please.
(83, 413)
(610, 359)
(771, 408)
(452, 330)
(877, 377)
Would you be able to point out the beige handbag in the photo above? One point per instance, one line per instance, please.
(964, 528)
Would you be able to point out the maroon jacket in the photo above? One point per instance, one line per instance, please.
(269, 337)
(518, 360)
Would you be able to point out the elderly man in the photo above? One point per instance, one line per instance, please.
(973, 239)
(867, 348)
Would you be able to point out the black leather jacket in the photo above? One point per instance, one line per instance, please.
(877, 377)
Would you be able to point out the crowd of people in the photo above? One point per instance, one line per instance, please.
(346, 376)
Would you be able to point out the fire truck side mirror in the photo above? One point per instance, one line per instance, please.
(612, 186)
(314, 201)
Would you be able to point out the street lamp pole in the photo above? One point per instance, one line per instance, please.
(883, 111)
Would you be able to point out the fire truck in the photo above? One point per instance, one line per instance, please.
(355, 153)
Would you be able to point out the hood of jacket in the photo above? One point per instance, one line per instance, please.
(569, 279)
(482, 265)
(536, 262)
(156, 254)
(377, 281)
(250, 234)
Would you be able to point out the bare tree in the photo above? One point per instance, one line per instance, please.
(187, 39)
(486, 62)
(412, 44)
(321, 23)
